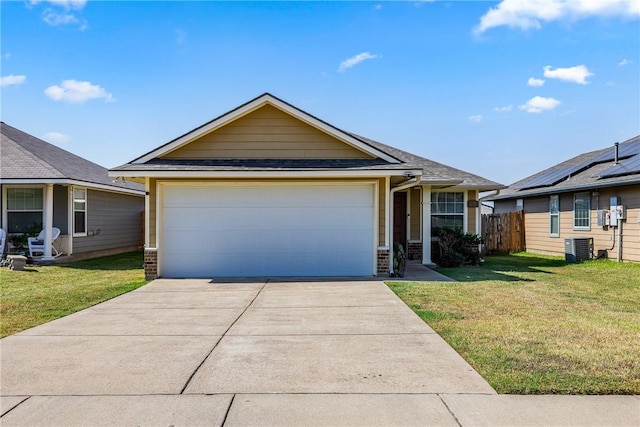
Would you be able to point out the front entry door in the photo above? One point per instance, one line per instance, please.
(400, 219)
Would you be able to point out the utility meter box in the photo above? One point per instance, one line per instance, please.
(604, 219)
(617, 211)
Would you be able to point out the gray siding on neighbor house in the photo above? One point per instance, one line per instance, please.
(113, 221)
(504, 206)
(61, 208)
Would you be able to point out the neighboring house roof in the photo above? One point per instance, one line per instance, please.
(25, 158)
(594, 169)
(384, 157)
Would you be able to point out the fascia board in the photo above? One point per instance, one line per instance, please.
(262, 174)
(555, 190)
(251, 106)
(62, 181)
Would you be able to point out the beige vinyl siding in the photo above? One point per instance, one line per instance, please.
(537, 223)
(414, 214)
(267, 133)
(630, 196)
(472, 213)
(113, 221)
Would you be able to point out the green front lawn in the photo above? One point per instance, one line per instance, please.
(535, 324)
(44, 293)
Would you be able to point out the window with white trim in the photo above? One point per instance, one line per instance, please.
(519, 204)
(447, 210)
(554, 215)
(79, 212)
(24, 209)
(581, 211)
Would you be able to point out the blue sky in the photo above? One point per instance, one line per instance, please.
(502, 89)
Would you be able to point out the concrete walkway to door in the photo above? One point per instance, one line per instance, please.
(193, 352)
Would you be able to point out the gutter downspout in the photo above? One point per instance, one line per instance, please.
(409, 184)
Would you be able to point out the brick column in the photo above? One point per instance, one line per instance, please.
(150, 263)
(383, 262)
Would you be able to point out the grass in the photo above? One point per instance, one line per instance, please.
(537, 325)
(40, 294)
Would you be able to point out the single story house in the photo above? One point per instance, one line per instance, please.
(44, 186)
(574, 199)
(267, 189)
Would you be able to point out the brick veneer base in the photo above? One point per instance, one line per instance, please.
(150, 263)
(414, 250)
(383, 261)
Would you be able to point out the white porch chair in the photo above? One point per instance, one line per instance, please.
(36, 244)
(3, 240)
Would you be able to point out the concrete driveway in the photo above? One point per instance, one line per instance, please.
(193, 352)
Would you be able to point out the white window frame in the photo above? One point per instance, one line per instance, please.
(552, 214)
(74, 210)
(519, 204)
(5, 203)
(464, 208)
(587, 197)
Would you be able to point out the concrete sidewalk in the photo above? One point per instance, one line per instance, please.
(192, 352)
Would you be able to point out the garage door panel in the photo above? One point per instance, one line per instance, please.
(267, 231)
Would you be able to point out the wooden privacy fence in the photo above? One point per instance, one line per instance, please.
(503, 233)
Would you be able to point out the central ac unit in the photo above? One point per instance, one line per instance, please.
(578, 249)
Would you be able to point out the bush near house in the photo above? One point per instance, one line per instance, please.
(456, 248)
(536, 325)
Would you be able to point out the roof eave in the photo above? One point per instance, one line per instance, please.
(66, 181)
(556, 190)
(317, 173)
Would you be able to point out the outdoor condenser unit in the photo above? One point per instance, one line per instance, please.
(578, 249)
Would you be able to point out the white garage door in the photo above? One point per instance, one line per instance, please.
(251, 231)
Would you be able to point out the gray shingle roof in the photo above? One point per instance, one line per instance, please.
(588, 173)
(23, 156)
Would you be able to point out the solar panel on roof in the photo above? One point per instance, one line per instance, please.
(624, 167)
(552, 177)
(624, 150)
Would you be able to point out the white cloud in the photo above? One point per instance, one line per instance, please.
(538, 104)
(56, 19)
(475, 119)
(530, 14)
(77, 92)
(11, 80)
(65, 4)
(63, 12)
(624, 62)
(533, 82)
(56, 137)
(578, 74)
(504, 109)
(355, 60)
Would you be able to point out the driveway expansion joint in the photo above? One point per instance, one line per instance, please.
(220, 339)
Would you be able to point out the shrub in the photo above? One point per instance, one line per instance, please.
(457, 248)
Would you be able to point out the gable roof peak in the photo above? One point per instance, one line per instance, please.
(254, 104)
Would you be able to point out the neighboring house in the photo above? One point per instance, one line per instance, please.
(564, 202)
(270, 190)
(44, 186)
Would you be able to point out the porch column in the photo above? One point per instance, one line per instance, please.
(48, 222)
(426, 226)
